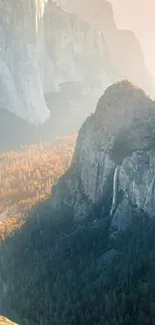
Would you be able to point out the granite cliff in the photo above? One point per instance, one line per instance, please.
(124, 48)
(81, 62)
(41, 49)
(20, 77)
(114, 160)
(55, 63)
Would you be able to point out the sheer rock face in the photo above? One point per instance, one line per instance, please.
(137, 182)
(137, 179)
(120, 132)
(42, 47)
(77, 50)
(5, 321)
(80, 61)
(20, 78)
(124, 48)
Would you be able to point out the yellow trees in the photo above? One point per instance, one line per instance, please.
(27, 175)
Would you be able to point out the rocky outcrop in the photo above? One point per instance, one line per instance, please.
(137, 182)
(124, 48)
(114, 160)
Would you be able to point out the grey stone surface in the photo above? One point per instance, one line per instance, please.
(120, 136)
(42, 47)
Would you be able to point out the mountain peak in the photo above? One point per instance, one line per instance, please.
(119, 92)
(121, 127)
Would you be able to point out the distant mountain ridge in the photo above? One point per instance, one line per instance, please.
(56, 65)
(123, 46)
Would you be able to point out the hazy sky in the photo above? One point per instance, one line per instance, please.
(138, 16)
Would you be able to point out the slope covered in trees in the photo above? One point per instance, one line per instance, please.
(27, 176)
(81, 277)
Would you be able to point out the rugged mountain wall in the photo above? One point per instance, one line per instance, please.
(20, 78)
(54, 64)
(114, 160)
(81, 63)
(42, 47)
(123, 46)
(77, 50)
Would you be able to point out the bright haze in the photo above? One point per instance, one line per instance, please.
(138, 16)
(120, 22)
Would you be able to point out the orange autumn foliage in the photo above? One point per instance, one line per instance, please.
(27, 176)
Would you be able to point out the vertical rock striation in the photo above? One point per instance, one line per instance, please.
(115, 191)
(115, 153)
(20, 79)
(42, 48)
(124, 48)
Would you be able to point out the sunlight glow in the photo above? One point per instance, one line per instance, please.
(138, 16)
